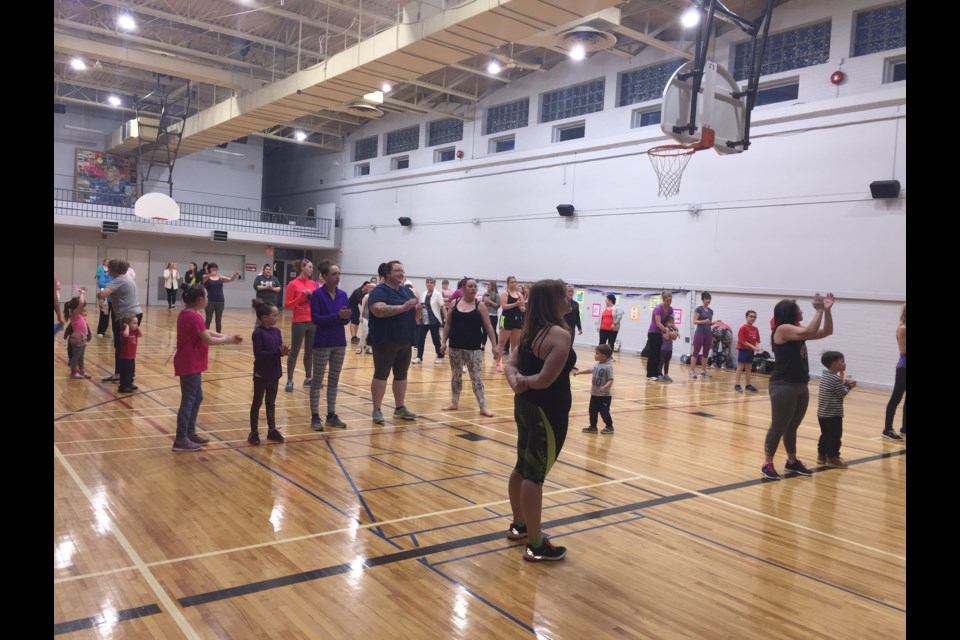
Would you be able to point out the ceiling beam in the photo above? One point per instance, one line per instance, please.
(461, 67)
(208, 26)
(419, 109)
(338, 4)
(652, 41)
(171, 64)
(270, 136)
(439, 89)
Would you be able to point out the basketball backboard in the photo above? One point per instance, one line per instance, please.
(716, 107)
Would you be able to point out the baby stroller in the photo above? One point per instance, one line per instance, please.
(722, 357)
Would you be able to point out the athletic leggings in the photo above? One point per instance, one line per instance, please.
(473, 360)
(301, 331)
(171, 297)
(899, 388)
(215, 307)
(263, 388)
(788, 405)
(608, 337)
(322, 355)
(654, 342)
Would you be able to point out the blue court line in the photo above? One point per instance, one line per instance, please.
(552, 537)
(476, 595)
(430, 482)
(413, 538)
(421, 481)
(378, 531)
(777, 565)
(496, 516)
(94, 621)
(650, 491)
(422, 552)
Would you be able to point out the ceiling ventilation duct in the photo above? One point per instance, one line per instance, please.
(363, 109)
(587, 37)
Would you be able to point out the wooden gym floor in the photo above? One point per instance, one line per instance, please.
(397, 530)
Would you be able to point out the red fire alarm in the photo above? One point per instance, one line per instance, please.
(459, 154)
(837, 77)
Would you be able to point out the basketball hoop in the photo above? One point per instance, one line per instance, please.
(156, 207)
(669, 161)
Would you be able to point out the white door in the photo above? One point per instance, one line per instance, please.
(140, 261)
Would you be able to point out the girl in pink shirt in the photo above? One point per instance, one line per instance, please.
(190, 362)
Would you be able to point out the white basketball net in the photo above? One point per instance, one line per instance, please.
(669, 163)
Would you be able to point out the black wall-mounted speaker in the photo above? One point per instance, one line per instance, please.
(109, 226)
(405, 221)
(885, 189)
(565, 210)
(59, 107)
(219, 236)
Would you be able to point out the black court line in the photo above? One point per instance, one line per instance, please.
(420, 552)
(473, 437)
(94, 621)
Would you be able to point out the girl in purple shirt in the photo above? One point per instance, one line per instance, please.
(268, 349)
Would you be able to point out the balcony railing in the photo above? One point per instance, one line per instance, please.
(81, 204)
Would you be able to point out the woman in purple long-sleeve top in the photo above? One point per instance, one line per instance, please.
(330, 312)
(268, 349)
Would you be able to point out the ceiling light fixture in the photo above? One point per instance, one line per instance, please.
(494, 67)
(126, 22)
(300, 136)
(386, 87)
(114, 100)
(690, 17)
(77, 64)
(578, 52)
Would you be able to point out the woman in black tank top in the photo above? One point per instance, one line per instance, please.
(512, 305)
(467, 322)
(789, 395)
(539, 373)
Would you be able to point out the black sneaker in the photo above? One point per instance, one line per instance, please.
(274, 436)
(186, 445)
(545, 551)
(607, 430)
(198, 439)
(769, 472)
(333, 420)
(517, 531)
(129, 389)
(254, 438)
(797, 467)
(112, 378)
(315, 423)
(589, 430)
(890, 434)
(354, 340)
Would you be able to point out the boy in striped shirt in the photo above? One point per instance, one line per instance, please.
(833, 388)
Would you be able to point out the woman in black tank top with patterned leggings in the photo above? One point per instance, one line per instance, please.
(539, 373)
(467, 322)
(789, 395)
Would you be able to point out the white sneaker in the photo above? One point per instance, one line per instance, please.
(359, 349)
(439, 361)
(368, 350)
(415, 361)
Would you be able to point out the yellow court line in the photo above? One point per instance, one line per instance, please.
(700, 494)
(151, 580)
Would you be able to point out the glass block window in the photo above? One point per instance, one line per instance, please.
(403, 140)
(779, 93)
(365, 149)
(572, 101)
(444, 131)
(796, 49)
(645, 117)
(499, 145)
(880, 29)
(504, 117)
(646, 84)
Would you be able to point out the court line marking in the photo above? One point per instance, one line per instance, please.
(733, 505)
(151, 580)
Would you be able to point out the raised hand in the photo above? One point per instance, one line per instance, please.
(829, 301)
(818, 302)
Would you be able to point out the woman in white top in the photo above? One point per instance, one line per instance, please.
(171, 282)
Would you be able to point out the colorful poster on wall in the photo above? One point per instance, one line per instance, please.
(105, 178)
(596, 309)
(677, 314)
(634, 313)
(654, 301)
(579, 295)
